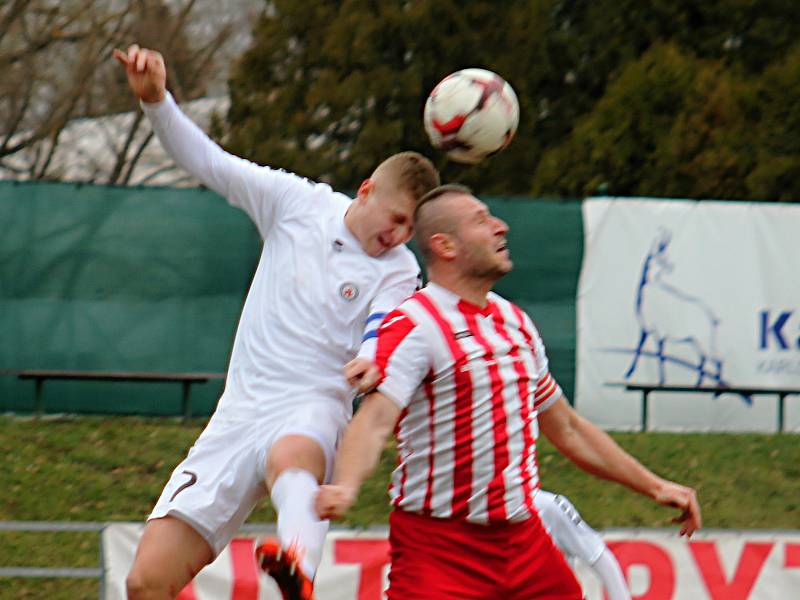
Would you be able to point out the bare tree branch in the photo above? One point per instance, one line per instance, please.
(55, 58)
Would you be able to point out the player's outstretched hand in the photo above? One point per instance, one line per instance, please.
(362, 374)
(146, 72)
(333, 501)
(685, 499)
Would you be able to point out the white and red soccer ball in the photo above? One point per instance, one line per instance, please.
(471, 114)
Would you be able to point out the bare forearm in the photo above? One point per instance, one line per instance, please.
(594, 451)
(360, 450)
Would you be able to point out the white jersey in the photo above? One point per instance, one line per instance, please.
(316, 295)
(470, 382)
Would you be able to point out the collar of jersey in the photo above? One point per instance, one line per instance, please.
(463, 305)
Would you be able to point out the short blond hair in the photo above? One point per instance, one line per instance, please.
(410, 172)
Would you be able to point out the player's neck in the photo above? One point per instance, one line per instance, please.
(469, 289)
(353, 222)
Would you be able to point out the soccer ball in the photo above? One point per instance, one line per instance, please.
(471, 114)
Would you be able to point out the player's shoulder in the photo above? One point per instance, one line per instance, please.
(307, 192)
(507, 305)
(504, 303)
(411, 309)
(400, 258)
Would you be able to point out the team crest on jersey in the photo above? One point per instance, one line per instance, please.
(348, 291)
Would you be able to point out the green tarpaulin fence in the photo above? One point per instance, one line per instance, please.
(103, 278)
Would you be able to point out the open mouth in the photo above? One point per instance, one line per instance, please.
(383, 241)
(503, 247)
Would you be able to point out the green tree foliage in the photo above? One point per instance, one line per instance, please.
(653, 97)
(777, 139)
(330, 88)
(670, 125)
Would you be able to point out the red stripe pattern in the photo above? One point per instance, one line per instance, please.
(470, 382)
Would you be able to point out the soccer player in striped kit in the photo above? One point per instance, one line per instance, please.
(463, 380)
(330, 268)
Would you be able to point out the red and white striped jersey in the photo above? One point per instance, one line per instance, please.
(470, 382)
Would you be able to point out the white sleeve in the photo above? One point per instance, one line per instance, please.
(399, 286)
(402, 356)
(261, 192)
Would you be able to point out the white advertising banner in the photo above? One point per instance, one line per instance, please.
(683, 294)
(714, 565)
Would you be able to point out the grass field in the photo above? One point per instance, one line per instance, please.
(112, 469)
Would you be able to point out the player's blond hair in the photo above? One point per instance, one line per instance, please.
(410, 172)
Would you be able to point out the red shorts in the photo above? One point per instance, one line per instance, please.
(441, 559)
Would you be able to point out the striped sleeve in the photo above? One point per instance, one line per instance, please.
(547, 388)
(401, 356)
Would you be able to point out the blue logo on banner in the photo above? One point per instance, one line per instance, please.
(679, 329)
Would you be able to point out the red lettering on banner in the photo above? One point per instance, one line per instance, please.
(187, 593)
(245, 572)
(791, 556)
(655, 560)
(753, 557)
(372, 555)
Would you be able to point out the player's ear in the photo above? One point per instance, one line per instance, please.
(443, 246)
(365, 188)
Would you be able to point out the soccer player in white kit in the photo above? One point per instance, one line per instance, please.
(329, 270)
(465, 386)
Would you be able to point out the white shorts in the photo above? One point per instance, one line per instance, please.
(221, 480)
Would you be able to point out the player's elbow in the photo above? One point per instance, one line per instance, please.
(378, 414)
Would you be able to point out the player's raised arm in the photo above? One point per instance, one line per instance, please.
(147, 74)
(255, 189)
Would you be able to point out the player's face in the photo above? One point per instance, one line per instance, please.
(388, 221)
(483, 248)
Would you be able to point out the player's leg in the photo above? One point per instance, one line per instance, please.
(298, 458)
(168, 557)
(203, 504)
(577, 539)
(296, 465)
(607, 568)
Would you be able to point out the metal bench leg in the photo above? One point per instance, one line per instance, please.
(645, 393)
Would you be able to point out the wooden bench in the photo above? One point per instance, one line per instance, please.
(185, 379)
(646, 389)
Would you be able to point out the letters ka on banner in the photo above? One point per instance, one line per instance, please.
(688, 293)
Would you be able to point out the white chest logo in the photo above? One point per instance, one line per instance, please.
(348, 291)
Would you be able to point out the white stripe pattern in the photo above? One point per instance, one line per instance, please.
(467, 454)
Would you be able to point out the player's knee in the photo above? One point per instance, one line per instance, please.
(139, 585)
(295, 452)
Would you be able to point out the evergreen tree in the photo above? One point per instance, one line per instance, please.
(653, 97)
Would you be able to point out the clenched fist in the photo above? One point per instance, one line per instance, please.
(333, 501)
(146, 72)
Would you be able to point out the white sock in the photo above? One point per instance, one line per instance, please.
(293, 496)
(608, 569)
